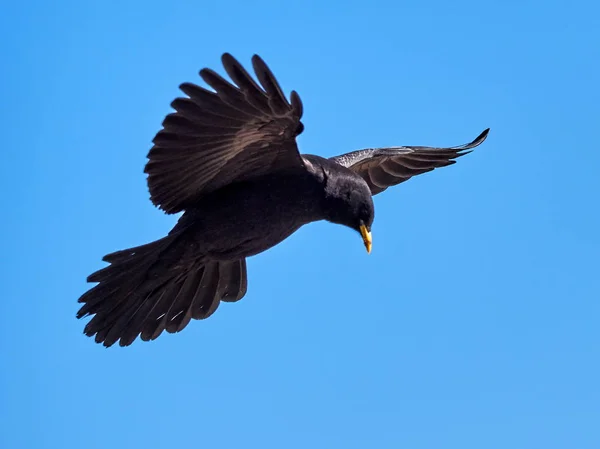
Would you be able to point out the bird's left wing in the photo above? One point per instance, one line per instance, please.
(385, 167)
(235, 133)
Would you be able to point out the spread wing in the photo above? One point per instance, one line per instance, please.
(386, 167)
(215, 138)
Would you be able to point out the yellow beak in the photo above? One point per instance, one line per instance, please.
(366, 235)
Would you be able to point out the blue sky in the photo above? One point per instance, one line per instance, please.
(474, 322)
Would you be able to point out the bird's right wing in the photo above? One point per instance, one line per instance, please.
(385, 167)
(215, 138)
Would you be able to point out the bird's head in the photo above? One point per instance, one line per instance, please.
(349, 203)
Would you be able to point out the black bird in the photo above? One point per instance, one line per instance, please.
(228, 159)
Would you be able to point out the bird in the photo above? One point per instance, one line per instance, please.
(227, 160)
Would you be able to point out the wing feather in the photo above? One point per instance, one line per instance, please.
(238, 132)
(385, 167)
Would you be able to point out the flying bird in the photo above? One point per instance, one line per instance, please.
(228, 159)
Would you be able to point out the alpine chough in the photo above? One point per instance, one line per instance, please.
(227, 158)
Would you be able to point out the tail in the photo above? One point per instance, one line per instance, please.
(154, 287)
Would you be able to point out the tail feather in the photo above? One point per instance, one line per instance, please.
(155, 287)
(204, 298)
(205, 304)
(127, 253)
(183, 301)
(120, 327)
(154, 323)
(110, 319)
(117, 271)
(233, 281)
(153, 307)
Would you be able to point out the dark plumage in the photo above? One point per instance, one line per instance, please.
(228, 159)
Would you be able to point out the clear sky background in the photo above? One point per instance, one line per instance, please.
(473, 324)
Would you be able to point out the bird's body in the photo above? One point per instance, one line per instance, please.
(244, 219)
(228, 160)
